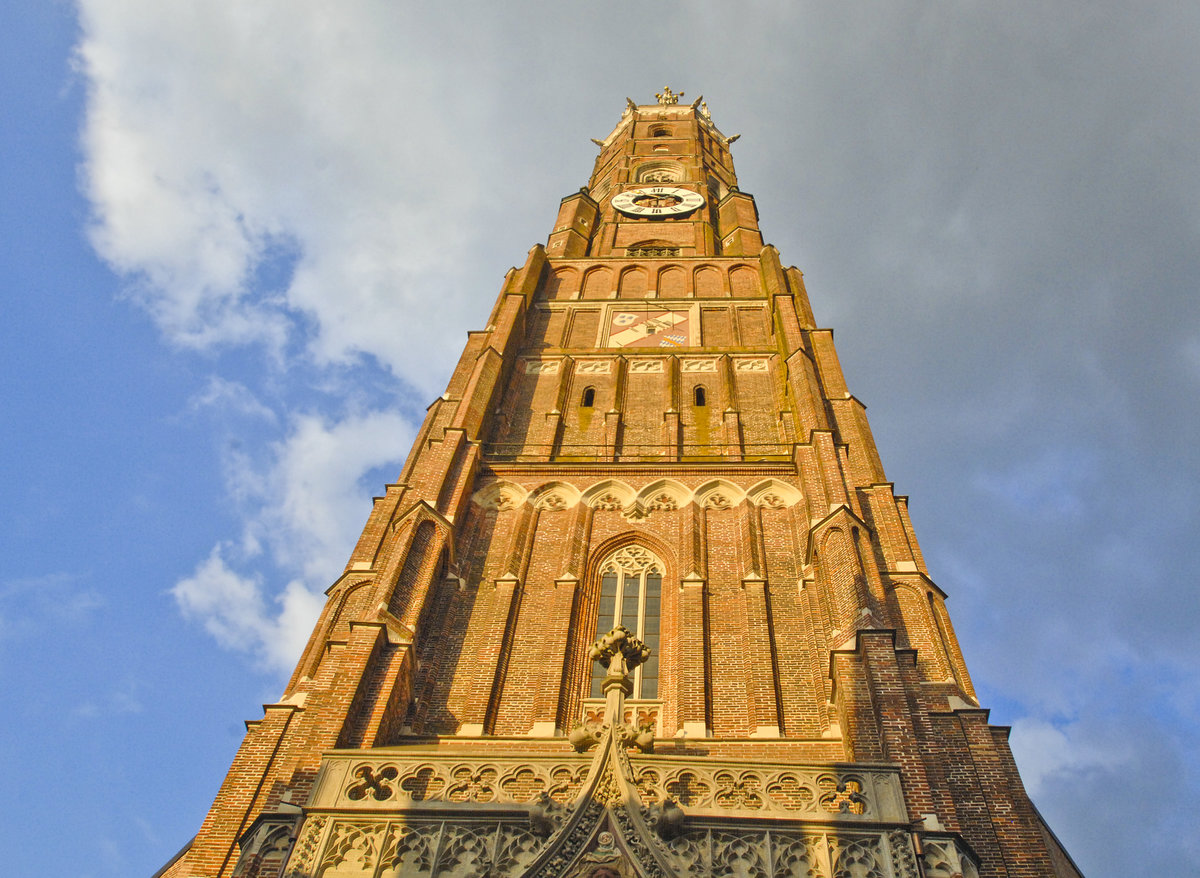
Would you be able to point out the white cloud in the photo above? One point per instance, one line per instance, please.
(275, 176)
(314, 500)
(304, 510)
(230, 396)
(1048, 754)
(233, 609)
(225, 140)
(231, 606)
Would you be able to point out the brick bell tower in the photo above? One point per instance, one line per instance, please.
(642, 601)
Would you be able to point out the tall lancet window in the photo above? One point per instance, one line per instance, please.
(631, 595)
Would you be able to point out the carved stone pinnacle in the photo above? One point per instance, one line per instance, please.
(668, 98)
(619, 641)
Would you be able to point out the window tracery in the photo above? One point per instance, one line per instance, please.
(659, 172)
(631, 595)
(640, 251)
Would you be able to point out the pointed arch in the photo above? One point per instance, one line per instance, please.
(598, 557)
(631, 588)
(672, 283)
(563, 283)
(609, 494)
(597, 283)
(774, 493)
(501, 495)
(554, 495)
(743, 282)
(719, 494)
(708, 282)
(633, 284)
(657, 493)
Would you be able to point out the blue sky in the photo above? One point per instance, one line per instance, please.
(243, 243)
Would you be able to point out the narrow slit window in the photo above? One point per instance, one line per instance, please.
(631, 595)
(699, 396)
(589, 398)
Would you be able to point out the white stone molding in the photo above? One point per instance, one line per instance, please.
(593, 367)
(542, 367)
(643, 367)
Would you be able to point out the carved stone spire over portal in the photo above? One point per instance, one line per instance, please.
(642, 601)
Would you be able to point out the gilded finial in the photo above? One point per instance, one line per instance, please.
(668, 98)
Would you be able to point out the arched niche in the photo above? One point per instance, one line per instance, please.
(743, 282)
(660, 172)
(501, 496)
(633, 284)
(554, 496)
(672, 283)
(664, 495)
(719, 494)
(563, 283)
(708, 282)
(774, 494)
(609, 494)
(597, 283)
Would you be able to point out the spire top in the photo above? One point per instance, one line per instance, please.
(668, 98)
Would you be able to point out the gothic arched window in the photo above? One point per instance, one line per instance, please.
(631, 595)
(589, 398)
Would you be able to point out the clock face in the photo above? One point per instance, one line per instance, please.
(658, 201)
(656, 328)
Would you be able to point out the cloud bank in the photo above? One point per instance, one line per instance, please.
(273, 175)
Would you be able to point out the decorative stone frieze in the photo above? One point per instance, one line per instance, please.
(437, 780)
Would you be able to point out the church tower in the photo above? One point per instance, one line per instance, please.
(642, 601)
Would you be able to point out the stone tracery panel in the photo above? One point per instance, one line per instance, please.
(366, 783)
(792, 854)
(812, 793)
(437, 815)
(422, 849)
